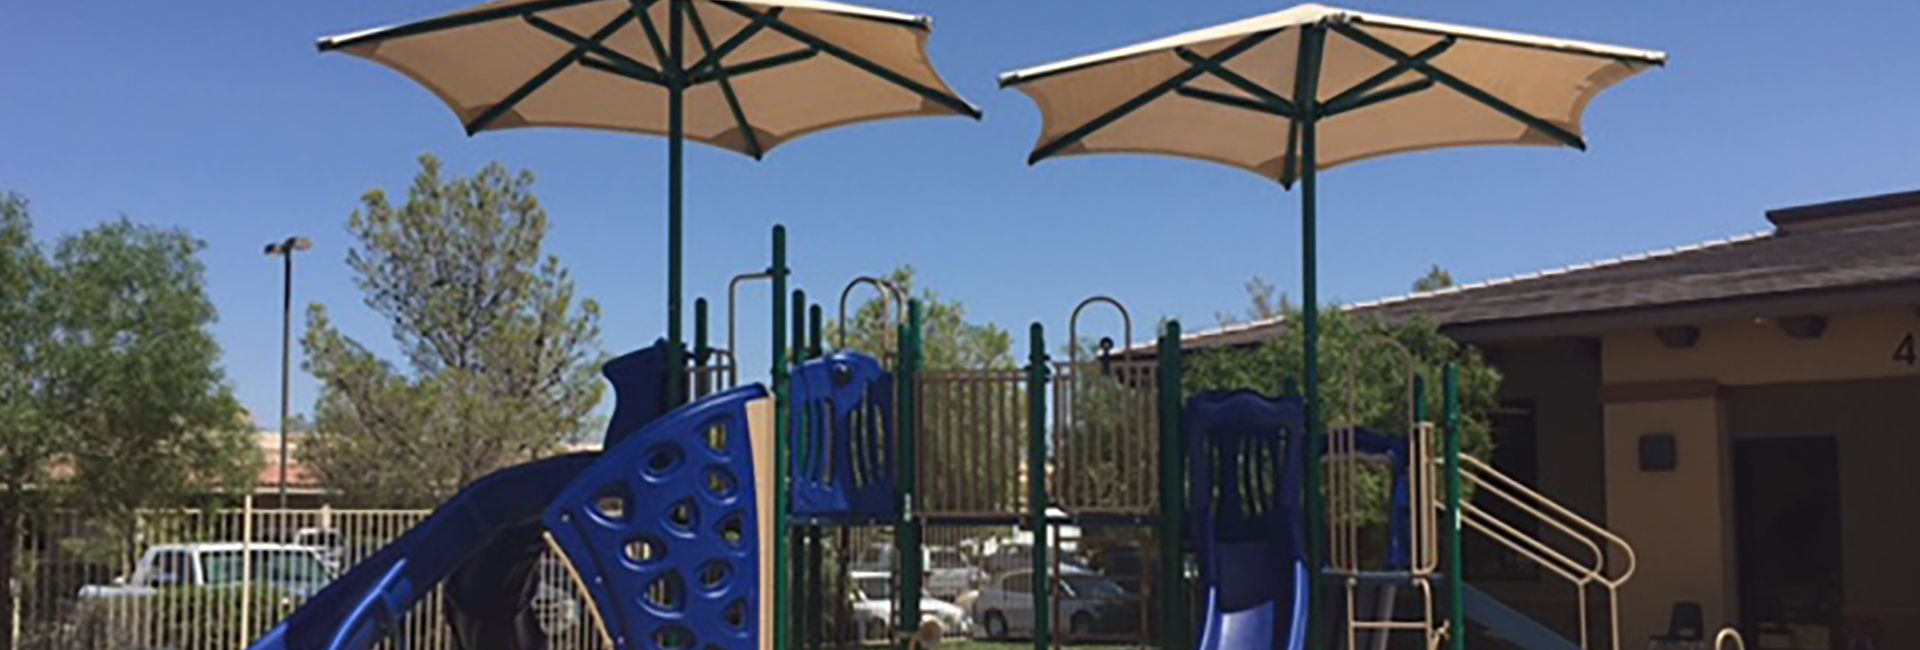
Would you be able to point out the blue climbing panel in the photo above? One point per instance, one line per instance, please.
(843, 438)
(663, 530)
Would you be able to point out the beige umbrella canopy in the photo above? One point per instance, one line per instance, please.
(1313, 87)
(758, 73)
(1228, 94)
(742, 75)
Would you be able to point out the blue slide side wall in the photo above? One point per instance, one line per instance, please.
(842, 438)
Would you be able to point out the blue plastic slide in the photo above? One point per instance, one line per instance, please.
(671, 501)
(1245, 465)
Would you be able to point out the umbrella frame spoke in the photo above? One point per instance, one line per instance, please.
(1388, 94)
(1458, 85)
(739, 38)
(580, 49)
(1176, 81)
(670, 65)
(609, 57)
(949, 101)
(1340, 103)
(726, 86)
(722, 73)
(1218, 70)
(1235, 101)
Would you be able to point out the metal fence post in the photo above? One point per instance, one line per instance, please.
(1456, 561)
(1038, 371)
(1173, 496)
(907, 534)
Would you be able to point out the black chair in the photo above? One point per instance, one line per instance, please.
(1686, 629)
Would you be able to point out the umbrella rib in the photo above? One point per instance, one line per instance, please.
(1104, 119)
(1339, 102)
(1471, 91)
(1220, 71)
(442, 23)
(552, 70)
(739, 38)
(1392, 93)
(633, 67)
(621, 70)
(1224, 99)
(670, 66)
(753, 66)
(726, 86)
(953, 103)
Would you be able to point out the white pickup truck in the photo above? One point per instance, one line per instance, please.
(295, 570)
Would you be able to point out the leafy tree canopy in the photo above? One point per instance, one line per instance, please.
(498, 356)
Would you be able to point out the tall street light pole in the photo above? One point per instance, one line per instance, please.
(285, 250)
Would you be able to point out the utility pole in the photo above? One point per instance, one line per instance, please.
(285, 249)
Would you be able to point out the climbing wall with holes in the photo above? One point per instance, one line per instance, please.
(664, 530)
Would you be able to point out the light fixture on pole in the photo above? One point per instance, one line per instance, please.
(285, 249)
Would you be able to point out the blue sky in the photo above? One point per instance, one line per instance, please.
(219, 117)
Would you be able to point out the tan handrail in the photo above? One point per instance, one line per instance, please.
(1600, 571)
(1630, 560)
(1729, 634)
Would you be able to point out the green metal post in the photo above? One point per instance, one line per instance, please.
(702, 349)
(814, 319)
(1037, 376)
(1173, 497)
(1456, 561)
(907, 533)
(801, 533)
(816, 553)
(1307, 90)
(676, 154)
(781, 588)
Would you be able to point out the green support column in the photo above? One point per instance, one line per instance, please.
(802, 532)
(676, 154)
(781, 588)
(907, 533)
(702, 350)
(1173, 497)
(815, 349)
(816, 552)
(1456, 561)
(1037, 377)
(1307, 89)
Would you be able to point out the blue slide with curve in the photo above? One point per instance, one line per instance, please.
(691, 504)
(1245, 465)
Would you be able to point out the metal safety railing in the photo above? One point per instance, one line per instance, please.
(218, 579)
(1599, 557)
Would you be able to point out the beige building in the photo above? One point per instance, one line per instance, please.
(1745, 412)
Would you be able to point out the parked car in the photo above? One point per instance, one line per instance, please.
(298, 571)
(947, 572)
(327, 541)
(873, 608)
(1090, 605)
(950, 574)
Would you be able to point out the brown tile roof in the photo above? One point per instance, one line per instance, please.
(1859, 243)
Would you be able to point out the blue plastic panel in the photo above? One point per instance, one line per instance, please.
(843, 440)
(663, 530)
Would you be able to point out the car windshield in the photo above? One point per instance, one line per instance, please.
(285, 567)
(876, 588)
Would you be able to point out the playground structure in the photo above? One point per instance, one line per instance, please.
(741, 519)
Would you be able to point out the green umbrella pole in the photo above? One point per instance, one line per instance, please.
(676, 152)
(1307, 79)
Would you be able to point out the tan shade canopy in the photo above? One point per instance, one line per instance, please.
(1226, 94)
(758, 73)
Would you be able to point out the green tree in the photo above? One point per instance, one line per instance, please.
(26, 440)
(498, 360)
(151, 419)
(1436, 279)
